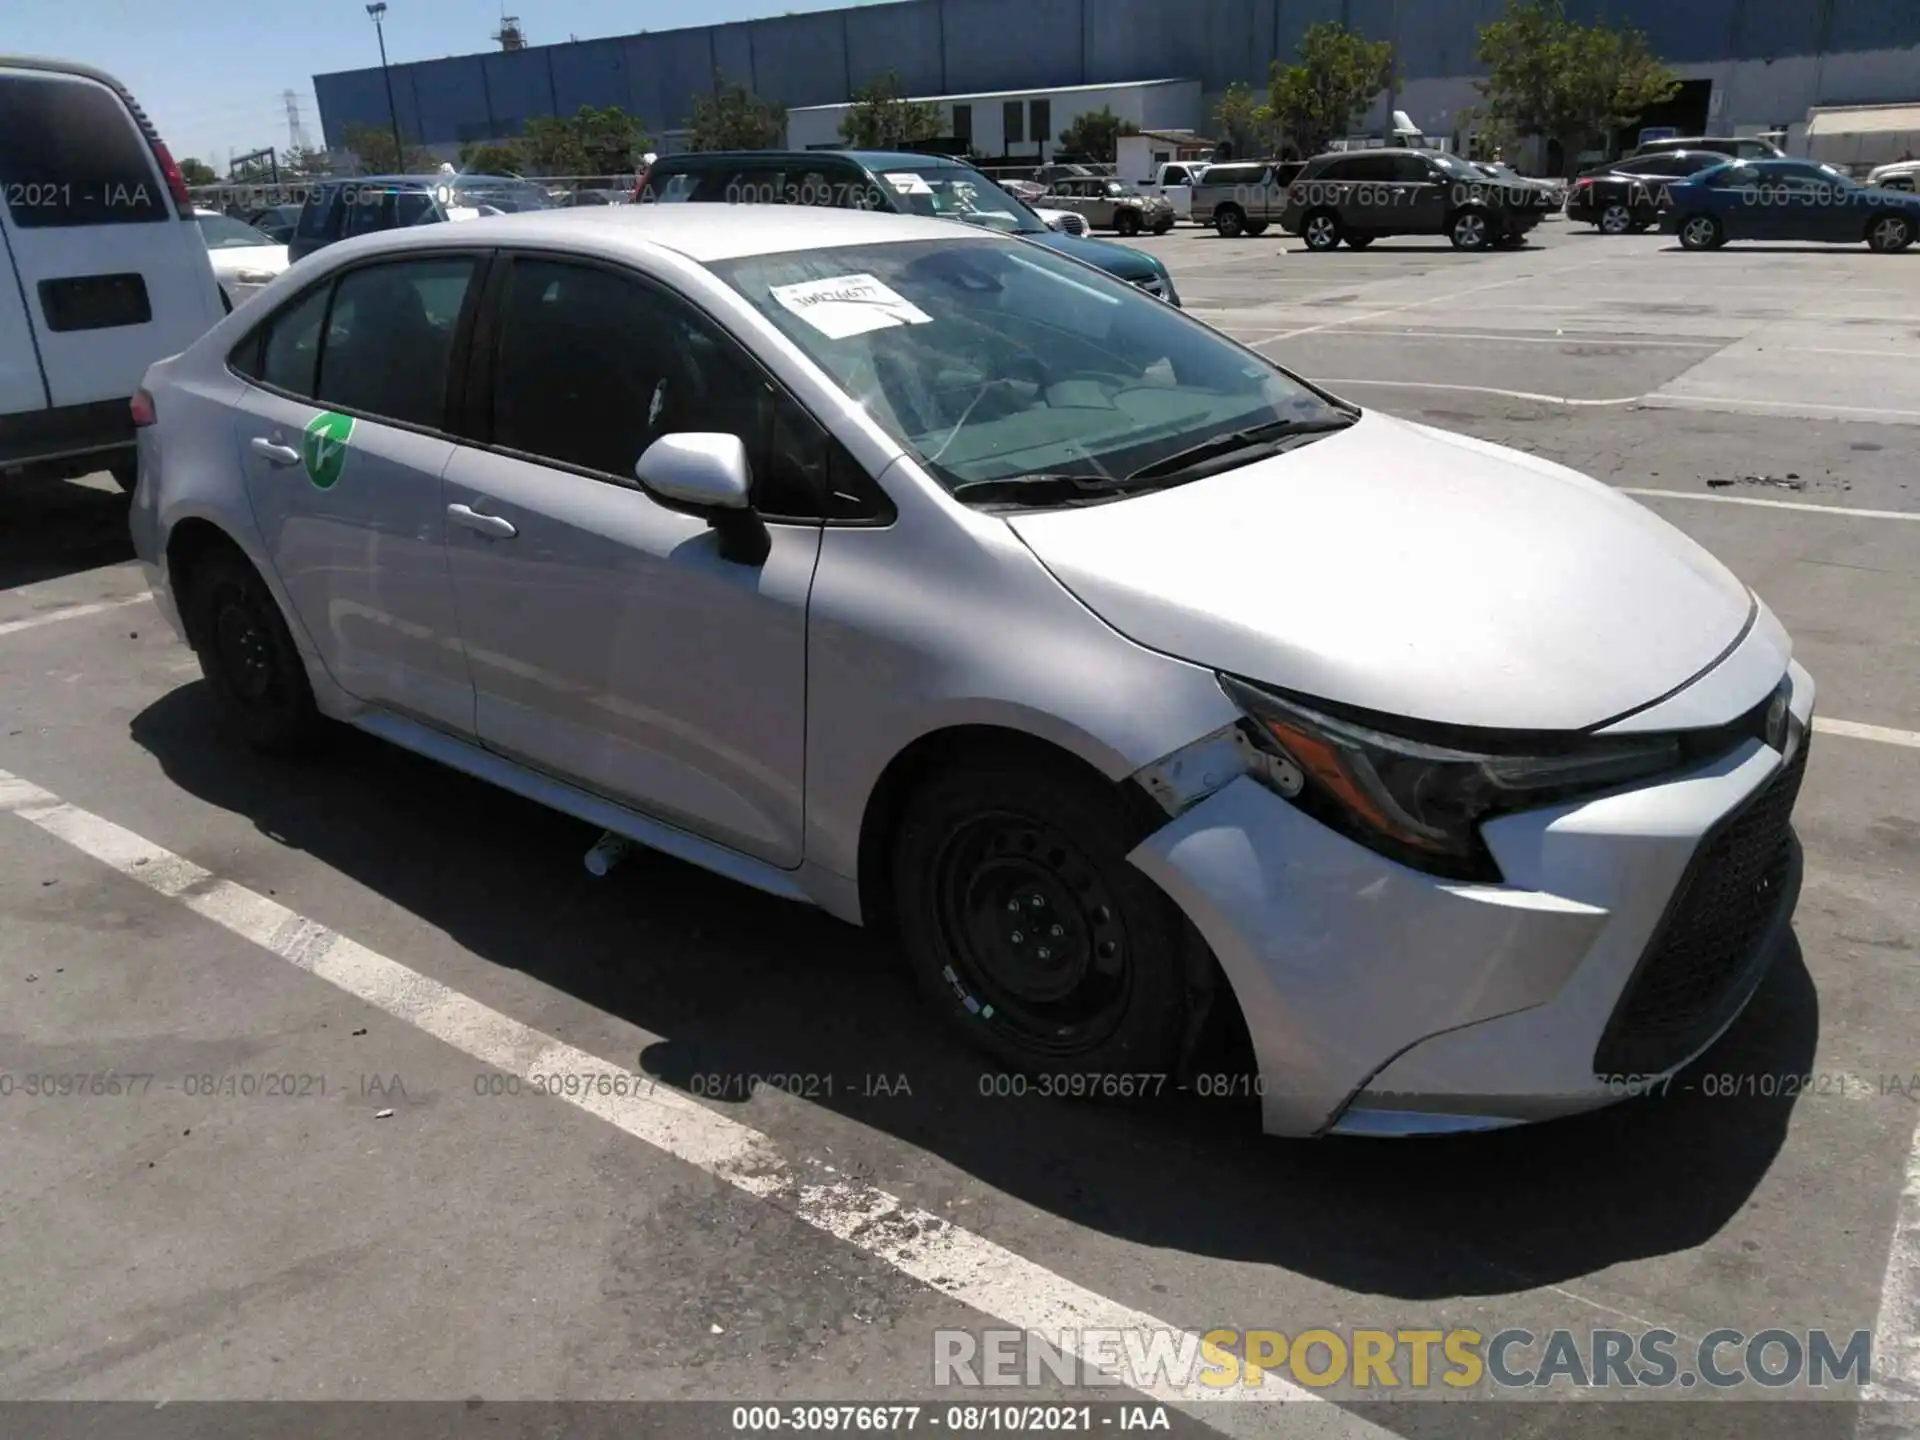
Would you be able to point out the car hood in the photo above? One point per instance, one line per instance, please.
(1114, 259)
(1410, 571)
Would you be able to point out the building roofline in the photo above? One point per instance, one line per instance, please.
(1010, 94)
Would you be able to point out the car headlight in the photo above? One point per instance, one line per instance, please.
(1420, 803)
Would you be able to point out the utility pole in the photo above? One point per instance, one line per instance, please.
(378, 12)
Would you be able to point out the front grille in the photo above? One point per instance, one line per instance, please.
(1705, 958)
(1073, 224)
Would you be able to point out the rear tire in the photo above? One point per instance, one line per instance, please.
(1321, 230)
(1615, 219)
(1890, 234)
(1359, 242)
(1256, 228)
(1024, 921)
(1230, 221)
(1702, 232)
(248, 656)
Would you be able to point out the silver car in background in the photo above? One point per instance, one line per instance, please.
(1130, 683)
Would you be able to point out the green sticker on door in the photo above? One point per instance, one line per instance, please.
(324, 447)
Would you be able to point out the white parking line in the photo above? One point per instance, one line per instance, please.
(939, 1254)
(69, 612)
(1854, 730)
(1572, 400)
(1896, 1330)
(1577, 337)
(1800, 505)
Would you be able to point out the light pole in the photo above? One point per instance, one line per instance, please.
(378, 11)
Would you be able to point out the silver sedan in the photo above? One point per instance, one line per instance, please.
(1140, 689)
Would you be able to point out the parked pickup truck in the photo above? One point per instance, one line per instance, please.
(1242, 197)
(1173, 182)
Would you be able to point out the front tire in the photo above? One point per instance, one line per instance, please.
(1890, 234)
(1127, 223)
(248, 656)
(1321, 231)
(1702, 232)
(1470, 230)
(1023, 919)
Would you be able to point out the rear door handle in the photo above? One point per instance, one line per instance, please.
(275, 454)
(493, 526)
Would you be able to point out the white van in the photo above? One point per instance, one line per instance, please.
(102, 268)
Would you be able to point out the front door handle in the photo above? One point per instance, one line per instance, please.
(493, 526)
(275, 454)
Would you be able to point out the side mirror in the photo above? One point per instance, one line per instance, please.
(707, 474)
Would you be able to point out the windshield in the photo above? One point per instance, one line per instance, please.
(953, 192)
(1453, 165)
(503, 193)
(223, 232)
(989, 361)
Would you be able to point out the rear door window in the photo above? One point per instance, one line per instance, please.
(285, 353)
(70, 154)
(316, 214)
(390, 338)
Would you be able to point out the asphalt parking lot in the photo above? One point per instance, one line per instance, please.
(327, 973)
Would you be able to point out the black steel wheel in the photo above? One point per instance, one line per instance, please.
(1020, 913)
(248, 655)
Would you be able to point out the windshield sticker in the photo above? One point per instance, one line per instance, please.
(323, 450)
(849, 305)
(908, 183)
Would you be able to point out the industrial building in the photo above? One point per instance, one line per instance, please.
(1749, 65)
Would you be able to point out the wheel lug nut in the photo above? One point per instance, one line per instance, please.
(1017, 938)
(1056, 932)
(1045, 953)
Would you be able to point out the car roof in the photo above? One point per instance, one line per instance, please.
(872, 159)
(701, 233)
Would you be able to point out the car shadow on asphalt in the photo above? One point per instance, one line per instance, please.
(748, 985)
(50, 528)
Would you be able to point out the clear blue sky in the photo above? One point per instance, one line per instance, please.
(213, 77)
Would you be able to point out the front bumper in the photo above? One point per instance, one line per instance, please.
(1384, 1001)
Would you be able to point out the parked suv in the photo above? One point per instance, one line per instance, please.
(905, 183)
(1358, 196)
(1107, 204)
(1624, 197)
(341, 209)
(1243, 197)
(102, 268)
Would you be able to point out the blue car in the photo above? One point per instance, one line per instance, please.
(906, 182)
(1786, 200)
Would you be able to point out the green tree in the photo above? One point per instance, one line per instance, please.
(492, 157)
(301, 164)
(732, 117)
(882, 117)
(1096, 134)
(1245, 121)
(1323, 96)
(372, 146)
(606, 141)
(197, 172)
(1550, 76)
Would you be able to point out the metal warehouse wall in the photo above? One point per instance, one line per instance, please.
(956, 46)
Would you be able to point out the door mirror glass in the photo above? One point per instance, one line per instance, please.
(700, 471)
